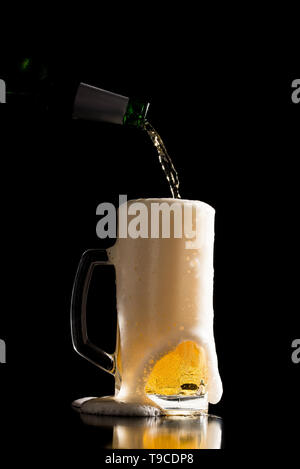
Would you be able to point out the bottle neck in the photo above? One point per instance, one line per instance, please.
(136, 112)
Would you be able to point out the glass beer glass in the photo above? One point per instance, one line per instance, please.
(165, 349)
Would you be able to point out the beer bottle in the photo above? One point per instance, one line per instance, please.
(32, 88)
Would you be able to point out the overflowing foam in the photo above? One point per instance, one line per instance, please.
(114, 406)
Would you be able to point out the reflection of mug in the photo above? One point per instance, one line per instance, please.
(165, 344)
(204, 432)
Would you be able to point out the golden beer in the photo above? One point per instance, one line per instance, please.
(182, 371)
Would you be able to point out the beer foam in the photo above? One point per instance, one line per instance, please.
(113, 406)
(164, 297)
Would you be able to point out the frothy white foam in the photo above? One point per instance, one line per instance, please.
(164, 297)
(112, 406)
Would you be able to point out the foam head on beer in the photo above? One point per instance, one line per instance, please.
(165, 308)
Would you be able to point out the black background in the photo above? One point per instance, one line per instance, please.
(225, 113)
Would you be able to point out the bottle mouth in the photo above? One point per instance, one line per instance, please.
(136, 112)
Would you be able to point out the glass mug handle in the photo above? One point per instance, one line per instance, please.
(80, 340)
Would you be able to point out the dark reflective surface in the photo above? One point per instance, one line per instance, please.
(202, 432)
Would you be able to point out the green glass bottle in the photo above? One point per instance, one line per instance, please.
(32, 87)
(27, 85)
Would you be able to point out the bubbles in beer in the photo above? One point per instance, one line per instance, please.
(183, 371)
(164, 159)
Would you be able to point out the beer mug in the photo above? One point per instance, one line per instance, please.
(165, 348)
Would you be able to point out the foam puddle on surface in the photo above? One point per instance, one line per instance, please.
(110, 405)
